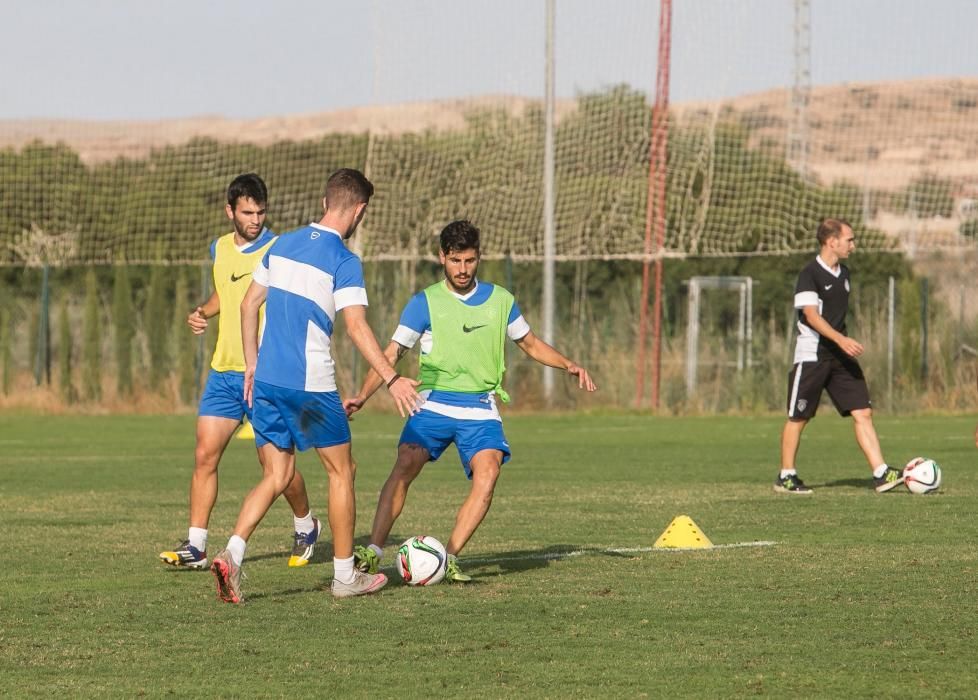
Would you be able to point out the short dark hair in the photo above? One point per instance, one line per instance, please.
(347, 188)
(249, 186)
(831, 228)
(459, 235)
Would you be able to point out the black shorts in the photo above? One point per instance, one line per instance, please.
(843, 379)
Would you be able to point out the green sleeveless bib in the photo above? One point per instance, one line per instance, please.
(468, 342)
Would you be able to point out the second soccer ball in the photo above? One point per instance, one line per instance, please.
(922, 475)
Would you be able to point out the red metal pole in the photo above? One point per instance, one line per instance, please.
(661, 127)
(655, 212)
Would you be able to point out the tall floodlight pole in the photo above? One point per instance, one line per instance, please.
(549, 233)
(801, 90)
(655, 213)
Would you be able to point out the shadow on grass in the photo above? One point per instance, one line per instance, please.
(519, 561)
(483, 569)
(323, 553)
(856, 483)
(318, 588)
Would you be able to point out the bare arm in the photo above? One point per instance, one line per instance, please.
(548, 355)
(254, 298)
(401, 388)
(393, 353)
(849, 346)
(197, 320)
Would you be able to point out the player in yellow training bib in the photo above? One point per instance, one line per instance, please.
(222, 407)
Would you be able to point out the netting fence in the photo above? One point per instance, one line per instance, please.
(105, 226)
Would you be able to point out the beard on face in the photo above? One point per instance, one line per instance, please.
(460, 285)
(242, 230)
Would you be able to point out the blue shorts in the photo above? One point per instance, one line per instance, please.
(290, 418)
(435, 432)
(224, 396)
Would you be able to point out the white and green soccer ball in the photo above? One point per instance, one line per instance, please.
(922, 475)
(421, 561)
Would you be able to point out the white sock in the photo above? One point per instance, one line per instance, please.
(788, 472)
(236, 548)
(198, 538)
(304, 524)
(379, 551)
(880, 470)
(343, 569)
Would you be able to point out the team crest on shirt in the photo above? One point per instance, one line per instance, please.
(802, 404)
(847, 285)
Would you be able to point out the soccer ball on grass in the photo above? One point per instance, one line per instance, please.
(421, 561)
(922, 475)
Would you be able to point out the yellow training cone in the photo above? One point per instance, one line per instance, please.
(246, 432)
(683, 533)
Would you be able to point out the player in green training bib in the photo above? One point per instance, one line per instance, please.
(462, 325)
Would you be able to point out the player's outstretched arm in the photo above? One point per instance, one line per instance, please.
(546, 354)
(393, 353)
(401, 388)
(197, 320)
(254, 298)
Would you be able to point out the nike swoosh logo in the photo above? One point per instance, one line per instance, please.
(469, 329)
(828, 287)
(239, 277)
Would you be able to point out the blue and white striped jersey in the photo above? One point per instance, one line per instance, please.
(310, 276)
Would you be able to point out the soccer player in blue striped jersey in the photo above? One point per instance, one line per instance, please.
(462, 325)
(222, 406)
(304, 280)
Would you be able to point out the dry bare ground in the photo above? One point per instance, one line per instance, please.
(100, 141)
(875, 135)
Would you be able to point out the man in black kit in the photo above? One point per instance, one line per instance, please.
(825, 358)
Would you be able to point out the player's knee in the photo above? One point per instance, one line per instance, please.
(282, 479)
(410, 461)
(297, 484)
(342, 471)
(863, 415)
(205, 459)
(406, 472)
(483, 489)
(491, 472)
(485, 475)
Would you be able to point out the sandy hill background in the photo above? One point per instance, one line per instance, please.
(876, 135)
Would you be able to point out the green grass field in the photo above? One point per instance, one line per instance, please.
(862, 595)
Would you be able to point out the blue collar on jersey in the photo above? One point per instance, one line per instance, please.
(264, 237)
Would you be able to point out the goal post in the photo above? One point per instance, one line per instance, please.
(743, 287)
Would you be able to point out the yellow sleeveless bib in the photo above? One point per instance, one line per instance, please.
(232, 277)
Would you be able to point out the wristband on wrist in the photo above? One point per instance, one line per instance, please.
(393, 379)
